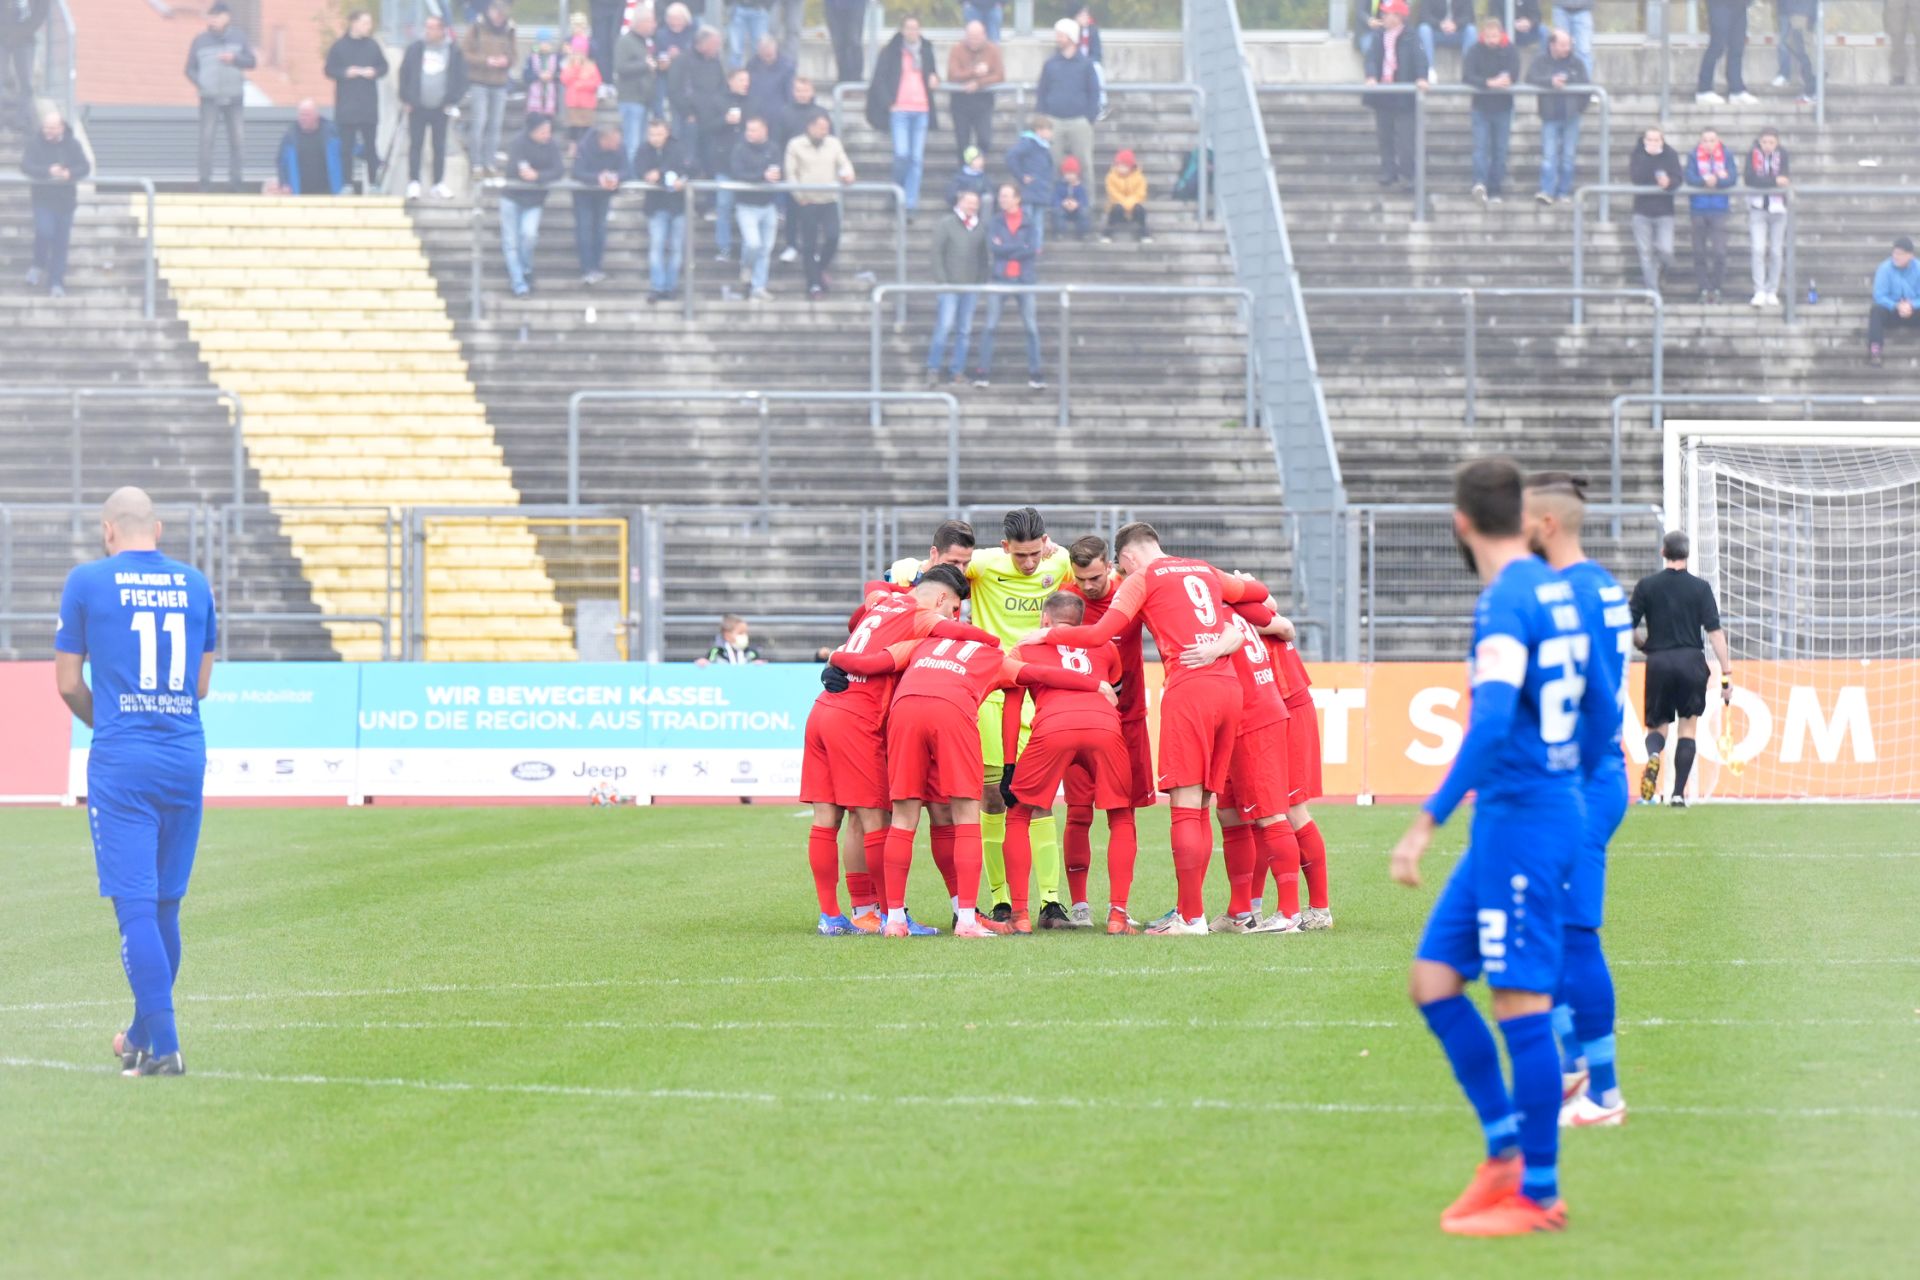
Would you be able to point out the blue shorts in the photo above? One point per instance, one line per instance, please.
(1606, 799)
(1502, 911)
(146, 825)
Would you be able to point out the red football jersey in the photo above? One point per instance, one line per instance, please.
(1066, 708)
(1183, 602)
(1253, 664)
(962, 672)
(888, 618)
(1293, 672)
(1132, 686)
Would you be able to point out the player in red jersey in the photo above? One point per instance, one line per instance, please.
(1073, 733)
(1184, 604)
(845, 765)
(1253, 811)
(1303, 774)
(933, 753)
(1096, 582)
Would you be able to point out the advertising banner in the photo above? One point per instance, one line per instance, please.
(33, 727)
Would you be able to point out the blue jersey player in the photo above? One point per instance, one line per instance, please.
(145, 624)
(1583, 1018)
(1500, 915)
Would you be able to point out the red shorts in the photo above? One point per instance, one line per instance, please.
(1097, 755)
(1303, 755)
(1257, 784)
(1199, 720)
(933, 751)
(845, 761)
(1140, 766)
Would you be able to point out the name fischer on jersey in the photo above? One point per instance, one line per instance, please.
(136, 592)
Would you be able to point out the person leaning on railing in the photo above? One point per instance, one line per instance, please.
(1555, 69)
(663, 160)
(1492, 66)
(1395, 57)
(534, 163)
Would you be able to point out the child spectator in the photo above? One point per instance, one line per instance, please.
(971, 176)
(1070, 198)
(1710, 168)
(541, 75)
(580, 79)
(733, 646)
(1491, 65)
(1126, 199)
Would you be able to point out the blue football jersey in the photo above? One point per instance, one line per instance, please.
(143, 621)
(1608, 620)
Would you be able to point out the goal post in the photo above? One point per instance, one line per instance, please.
(1809, 533)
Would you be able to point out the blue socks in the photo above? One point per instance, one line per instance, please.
(1536, 1094)
(1469, 1047)
(167, 917)
(1587, 986)
(144, 956)
(1571, 1058)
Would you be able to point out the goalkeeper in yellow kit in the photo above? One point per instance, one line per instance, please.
(1009, 586)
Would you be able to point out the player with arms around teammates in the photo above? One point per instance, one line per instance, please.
(1535, 713)
(147, 625)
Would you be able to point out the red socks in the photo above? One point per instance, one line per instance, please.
(942, 839)
(1077, 846)
(1313, 864)
(1123, 844)
(967, 855)
(1018, 851)
(899, 861)
(1192, 850)
(823, 855)
(1278, 845)
(875, 844)
(1238, 848)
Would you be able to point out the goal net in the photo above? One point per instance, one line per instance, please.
(1809, 533)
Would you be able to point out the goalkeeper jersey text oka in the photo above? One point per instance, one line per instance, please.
(144, 622)
(1608, 619)
(1006, 601)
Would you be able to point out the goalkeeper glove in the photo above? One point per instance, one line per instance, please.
(834, 679)
(1006, 786)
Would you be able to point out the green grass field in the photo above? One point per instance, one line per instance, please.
(555, 1041)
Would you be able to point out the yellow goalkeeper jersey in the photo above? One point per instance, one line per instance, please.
(1006, 601)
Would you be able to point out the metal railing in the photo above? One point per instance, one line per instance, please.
(1468, 296)
(763, 400)
(1065, 293)
(1020, 92)
(687, 190)
(150, 271)
(1420, 96)
(1788, 266)
(77, 396)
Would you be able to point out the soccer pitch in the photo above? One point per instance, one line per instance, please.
(551, 1041)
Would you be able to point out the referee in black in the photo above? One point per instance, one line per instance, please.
(1670, 610)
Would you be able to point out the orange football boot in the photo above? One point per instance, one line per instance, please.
(1492, 1183)
(1514, 1216)
(1119, 923)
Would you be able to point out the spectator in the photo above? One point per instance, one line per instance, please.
(1556, 69)
(1013, 248)
(793, 19)
(1031, 164)
(733, 646)
(1069, 94)
(1710, 168)
(960, 262)
(769, 81)
(673, 41)
(747, 25)
(579, 30)
(635, 78)
(603, 24)
(1126, 198)
(719, 161)
(790, 121)
(900, 102)
(489, 48)
(1575, 17)
(1446, 24)
(974, 66)
(756, 161)
(1527, 27)
(1896, 297)
(20, 20)
(663, 162)
(533, 165)
(580, 86)
(988, 13)
(1767, 172)
(55, 161)
(1090, 50)
(845, 18)
(1395, 57)
(1491, 66)
(541, 75)
(308, 162)
(971, 176)
(817, 158)
(1654, 164)
(1070, 200)
(217, 62)
(600, 167)
(1903, 27)
(356, 64)
(433, 78)
(1796, 19)
(1727, 37)
(705, 115)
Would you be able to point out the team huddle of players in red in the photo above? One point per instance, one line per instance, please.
(898, 729)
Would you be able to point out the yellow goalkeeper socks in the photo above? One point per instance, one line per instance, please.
(1047, 866)
(993, 836)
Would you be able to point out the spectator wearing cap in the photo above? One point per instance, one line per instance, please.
(308, 161)
(1654, 164)
(534, 164)
(600, 166)
(974, 66)
(1069, 95)
(217, 62)
(1070, 199)
(1896, 297)
(1710, 169)
(541, 76)
(1554, 71)
(970, 176)
(1768, 175)
(1490, 67)
(1030, 162)
(960, 263)
(1126, 198)
(816, 158)
(1395, 57)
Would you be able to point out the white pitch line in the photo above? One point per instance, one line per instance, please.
(965, 1101)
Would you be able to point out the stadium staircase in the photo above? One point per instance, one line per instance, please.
(322, 316)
